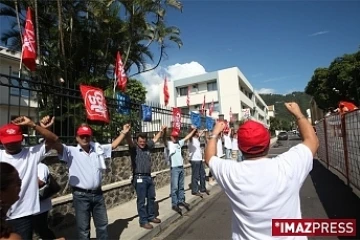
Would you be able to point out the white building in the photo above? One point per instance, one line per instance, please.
(14, 101)
(228, 88)
(271, 112)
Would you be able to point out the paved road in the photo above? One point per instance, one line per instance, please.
(323, 195)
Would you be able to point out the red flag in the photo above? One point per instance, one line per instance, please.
(120, 75)
(29, 43)
(95, 103)
(166, 92)
(188, 97)
(176, 122)
(211, 109)
(203, 107)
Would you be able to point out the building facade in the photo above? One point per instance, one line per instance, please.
(229, 89)
(14, 101)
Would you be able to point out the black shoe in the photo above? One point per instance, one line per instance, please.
(177, 209)
(197, 194)
(206, 191)
(185, 205)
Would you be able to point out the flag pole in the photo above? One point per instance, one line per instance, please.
(21, 60)
(114, 87)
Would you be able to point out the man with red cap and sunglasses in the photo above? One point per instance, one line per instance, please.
(262, 188)
(86, 163)
(25, 160)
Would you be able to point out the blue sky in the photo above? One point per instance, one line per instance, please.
(276, 44)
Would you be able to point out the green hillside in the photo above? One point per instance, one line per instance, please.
(278, 101)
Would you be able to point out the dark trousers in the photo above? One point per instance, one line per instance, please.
(145, 191)
(198, 174)
(22, 226)
(87, 205)
(40, 223)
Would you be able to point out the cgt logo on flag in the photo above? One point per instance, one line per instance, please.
(95, 103)
(314, 227)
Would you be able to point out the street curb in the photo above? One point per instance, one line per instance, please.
(175, 216)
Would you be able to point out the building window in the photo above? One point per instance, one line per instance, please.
(183, 91)
(216, 107)
(211, 86)
(184, 110)
(18, 91)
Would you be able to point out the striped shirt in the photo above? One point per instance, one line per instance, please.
(141, 158)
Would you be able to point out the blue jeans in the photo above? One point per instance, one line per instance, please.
(87, 205)
(197, 174)
(240, 156)
(145, 189)
(227, 153)
(22, 226)
(177, 185)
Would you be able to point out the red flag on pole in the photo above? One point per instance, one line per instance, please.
(188, 97)
(120, 75)
(203, 107)
(211, 109)
(166, 92)
(29, 43)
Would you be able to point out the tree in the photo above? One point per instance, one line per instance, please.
(79, 44)
(338, 82)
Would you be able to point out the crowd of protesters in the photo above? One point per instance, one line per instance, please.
(23, 175)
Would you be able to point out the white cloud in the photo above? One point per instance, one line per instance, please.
(318, 33)
(266, 90)
(153, 78)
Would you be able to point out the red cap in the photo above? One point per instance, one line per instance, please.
(10, 133)
(84, 130)
(253, 137)
(174, 134)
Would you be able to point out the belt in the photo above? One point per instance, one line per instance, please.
(143, 174)
(87, 190)
(177, 167)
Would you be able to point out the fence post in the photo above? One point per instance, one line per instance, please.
(326, 143)
(343, 134)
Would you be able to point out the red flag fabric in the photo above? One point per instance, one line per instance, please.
(29, 43)
(203, 107)
(188, 97)
(120, 75)
(166, 92)
(176, 122)
(211, 109)
(95, 103)
(346, 107)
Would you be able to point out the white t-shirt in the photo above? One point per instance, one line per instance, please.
(263, 189)
(234, 143)
(194, 148)
(85, 169)
(219, 148)
(26, 163)
(227, 141)
(43, 174)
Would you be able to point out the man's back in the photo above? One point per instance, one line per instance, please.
(262, 189)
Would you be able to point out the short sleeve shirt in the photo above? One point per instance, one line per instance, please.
(141, 158)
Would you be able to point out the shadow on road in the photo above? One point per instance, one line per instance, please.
(337, 198)
(116, 228)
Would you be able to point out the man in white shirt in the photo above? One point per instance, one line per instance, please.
(86, 165)
(40, 220)
(177, 170)
(25, 160)
(227, 143)
(261, 188)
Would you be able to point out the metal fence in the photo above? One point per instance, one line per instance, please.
(339, 137)
(33, 98)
